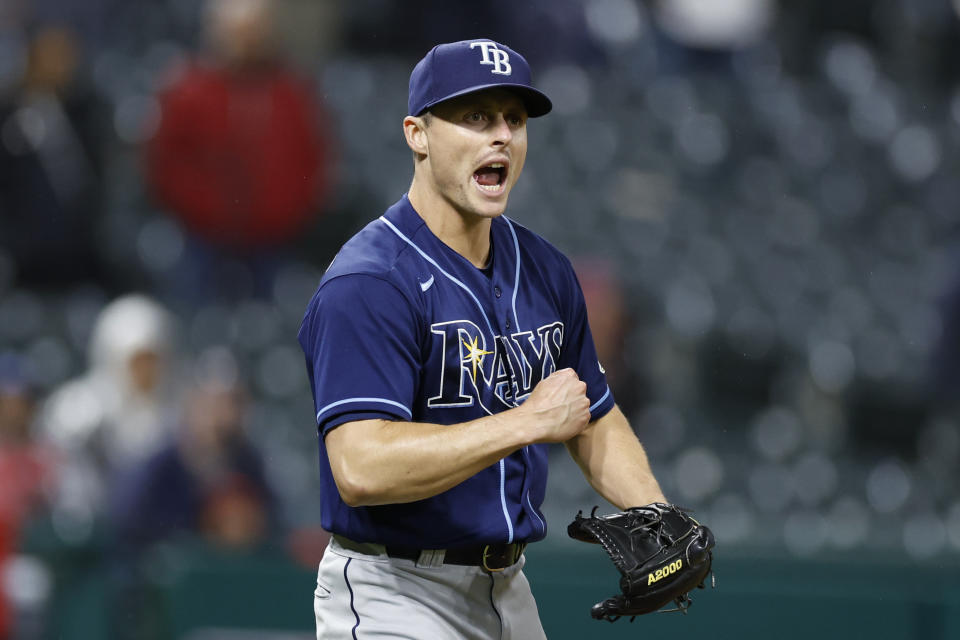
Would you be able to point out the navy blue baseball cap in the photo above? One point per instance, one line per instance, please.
(457, 68)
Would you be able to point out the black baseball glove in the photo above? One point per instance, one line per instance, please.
(661, 552)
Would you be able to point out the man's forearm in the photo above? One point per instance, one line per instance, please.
(615, 463)
(383, 462)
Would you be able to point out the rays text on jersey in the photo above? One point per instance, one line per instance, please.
(519, 361)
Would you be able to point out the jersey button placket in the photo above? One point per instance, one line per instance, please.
(499, 301)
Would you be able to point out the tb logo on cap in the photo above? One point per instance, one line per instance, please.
(492, 55)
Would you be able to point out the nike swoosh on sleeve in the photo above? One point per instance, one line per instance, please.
(426, 285)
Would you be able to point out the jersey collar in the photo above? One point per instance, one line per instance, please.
(405, 218)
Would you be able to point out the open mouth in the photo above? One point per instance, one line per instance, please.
(492, 177)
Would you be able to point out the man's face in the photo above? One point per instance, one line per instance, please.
(145, 368)
(477, 145)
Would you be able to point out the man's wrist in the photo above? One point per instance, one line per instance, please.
(522, 423)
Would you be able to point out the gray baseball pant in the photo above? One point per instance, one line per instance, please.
(362, 595)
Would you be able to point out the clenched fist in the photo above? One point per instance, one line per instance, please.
(558, 407)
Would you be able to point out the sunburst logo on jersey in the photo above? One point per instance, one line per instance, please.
(474, 355)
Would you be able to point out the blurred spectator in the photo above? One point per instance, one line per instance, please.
(26, 467)
(208, 479)
(115, 414)
(311, 31)
(609, 323)
(943, 377)
(205, 483)
(239, 155)
(51, 133)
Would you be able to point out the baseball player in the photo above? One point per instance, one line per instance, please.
(446, 346)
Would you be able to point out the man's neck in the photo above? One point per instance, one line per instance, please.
(468, 235)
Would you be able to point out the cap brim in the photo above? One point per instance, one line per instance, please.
(536, 102)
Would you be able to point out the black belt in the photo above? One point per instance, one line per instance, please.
(492, 557)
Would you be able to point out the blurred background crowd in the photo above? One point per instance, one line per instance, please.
(759, 198)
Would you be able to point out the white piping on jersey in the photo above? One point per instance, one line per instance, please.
(440, 269)
(600, 401)
(354, 400)
(503, 500)
(516, 279)
(543, 526)
(423, 254)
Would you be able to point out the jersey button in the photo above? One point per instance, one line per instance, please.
(508, 324)
(496, 291)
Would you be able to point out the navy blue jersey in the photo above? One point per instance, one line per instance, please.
(404, 328)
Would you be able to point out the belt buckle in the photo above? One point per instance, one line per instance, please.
(515, 549)
(486, 554)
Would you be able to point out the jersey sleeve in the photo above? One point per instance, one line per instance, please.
(579, 352)
(362, 350)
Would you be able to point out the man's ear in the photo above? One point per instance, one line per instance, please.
(414, 130)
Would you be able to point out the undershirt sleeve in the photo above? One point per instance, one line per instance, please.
(362, 351)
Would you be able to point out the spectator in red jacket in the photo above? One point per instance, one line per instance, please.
(239, 156)
(26, 468)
